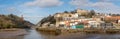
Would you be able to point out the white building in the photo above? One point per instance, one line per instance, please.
(118, 21)
(93, 23)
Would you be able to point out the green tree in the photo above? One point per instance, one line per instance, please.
(66, 12)
(92, 13)
(73, 12)
(13, 21)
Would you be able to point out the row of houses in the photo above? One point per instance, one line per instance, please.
(78, 20)
(73, 21)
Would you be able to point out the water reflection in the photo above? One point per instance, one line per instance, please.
(90, 36)
(33, 34)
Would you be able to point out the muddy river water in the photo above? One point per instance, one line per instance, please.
(33, 34)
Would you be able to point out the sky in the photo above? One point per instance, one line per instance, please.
(35, 10)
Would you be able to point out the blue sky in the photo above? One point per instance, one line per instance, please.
(35, 10)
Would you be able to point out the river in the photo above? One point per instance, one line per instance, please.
(33, 34)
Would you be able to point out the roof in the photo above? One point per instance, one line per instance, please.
(113, 17)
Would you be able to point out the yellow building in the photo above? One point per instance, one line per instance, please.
(63, 17)
(82, 12)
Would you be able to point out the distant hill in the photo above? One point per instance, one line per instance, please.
(13, 21)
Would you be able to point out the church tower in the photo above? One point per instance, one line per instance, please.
(22, 18)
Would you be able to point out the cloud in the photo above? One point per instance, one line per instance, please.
(80, 3)
(44, 3)
(109, 0)
(104, 5)
(107, 6)
(9, 10)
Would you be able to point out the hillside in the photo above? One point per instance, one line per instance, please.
(13, 21)
(50, 19)
(78, 13)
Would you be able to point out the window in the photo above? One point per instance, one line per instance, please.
(70, 15)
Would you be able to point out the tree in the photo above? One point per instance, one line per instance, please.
(13, 21)
(13, 16)
(66, 12)
(92, 13)
(73, 12)
(110, 14)
(117, 14)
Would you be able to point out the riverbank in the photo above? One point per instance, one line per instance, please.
(7, 33)
(68, 31)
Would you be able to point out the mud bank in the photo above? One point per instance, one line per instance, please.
(8, 33)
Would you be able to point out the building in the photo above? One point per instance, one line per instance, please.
(106, 25)
(61, 17)
(71, 19)
(82, 12)
(65, 18)
(119, 21)
(112, 18)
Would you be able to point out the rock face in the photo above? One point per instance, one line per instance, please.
(13, 21)
(49, 19)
